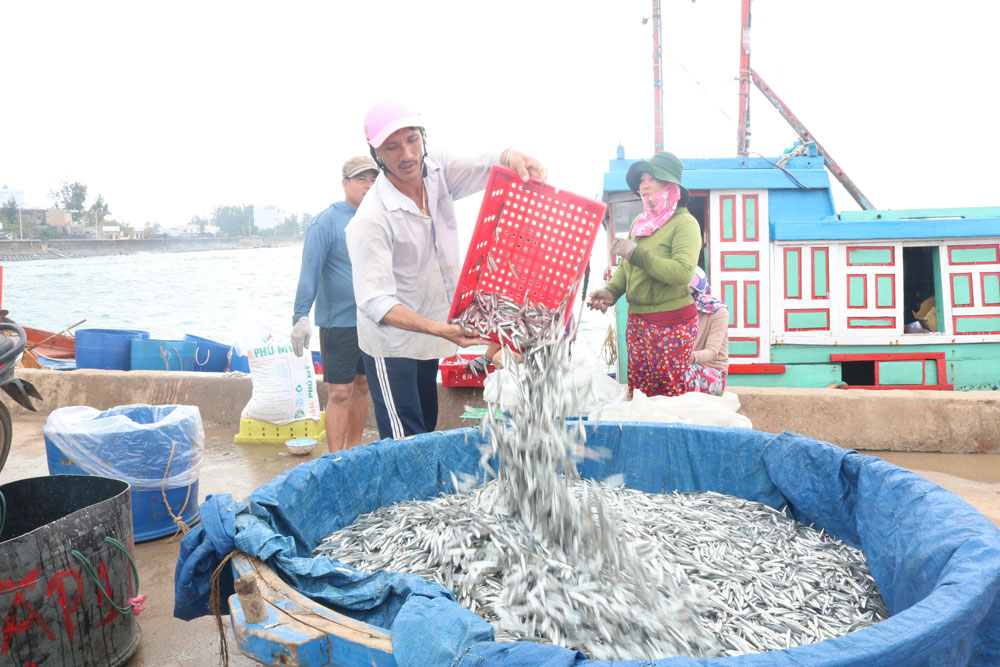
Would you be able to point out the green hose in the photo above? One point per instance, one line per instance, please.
(93, 573)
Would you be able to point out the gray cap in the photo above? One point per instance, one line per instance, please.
(359, 164)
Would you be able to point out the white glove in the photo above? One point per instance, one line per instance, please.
(301, 333)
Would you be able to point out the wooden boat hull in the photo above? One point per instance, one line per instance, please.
(62, 346)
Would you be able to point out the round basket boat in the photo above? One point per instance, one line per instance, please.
(935, 559)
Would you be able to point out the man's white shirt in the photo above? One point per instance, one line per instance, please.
(399, 257)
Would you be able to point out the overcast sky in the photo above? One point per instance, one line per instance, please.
(171, 109)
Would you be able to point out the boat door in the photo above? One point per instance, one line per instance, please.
(739, 265)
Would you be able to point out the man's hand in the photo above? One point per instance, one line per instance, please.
(456, 334)
(623, 247)
(526, 167)
(601, 299)
(301, 333)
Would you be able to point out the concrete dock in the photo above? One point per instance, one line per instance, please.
(952, 439)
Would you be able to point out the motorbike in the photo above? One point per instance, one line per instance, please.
(22, 391)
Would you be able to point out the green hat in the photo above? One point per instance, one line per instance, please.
(663, 166)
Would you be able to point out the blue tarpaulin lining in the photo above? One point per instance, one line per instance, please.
(935, 558)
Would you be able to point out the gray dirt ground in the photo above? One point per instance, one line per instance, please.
(239, 469)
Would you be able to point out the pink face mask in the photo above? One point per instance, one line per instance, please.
(657, 208)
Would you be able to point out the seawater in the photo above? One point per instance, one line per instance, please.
(214, 294)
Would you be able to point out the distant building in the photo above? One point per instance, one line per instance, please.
(82, 231)
(267, 217)
(111, 232)
(56, 217)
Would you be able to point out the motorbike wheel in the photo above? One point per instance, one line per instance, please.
(5, 434)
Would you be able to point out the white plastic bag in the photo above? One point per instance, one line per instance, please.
(605, 390)
(593, 387)
(151, 447)
(500, 388)
(284, 385)
(690, 408)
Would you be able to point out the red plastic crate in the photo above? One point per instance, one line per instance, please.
(539, 237)
(454, 373)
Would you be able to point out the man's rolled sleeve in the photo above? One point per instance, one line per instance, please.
(371, 259)
(379, 306)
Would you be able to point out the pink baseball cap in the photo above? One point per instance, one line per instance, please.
(385, 118)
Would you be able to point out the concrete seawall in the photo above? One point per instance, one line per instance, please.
(910, 421)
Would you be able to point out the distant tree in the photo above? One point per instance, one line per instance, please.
(290, 227)
(70, 197)
(306, 221)
(49, 233)
(201, 222)
(151, 229)
(234, 220)
(9, 211)
(99, 210)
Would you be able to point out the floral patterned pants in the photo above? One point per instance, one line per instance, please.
(709, 380)
(659, 359)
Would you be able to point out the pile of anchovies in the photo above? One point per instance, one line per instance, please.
(547, 556)
(515, 324)
(766, 582)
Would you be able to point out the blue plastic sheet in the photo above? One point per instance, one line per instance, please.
(935, 558)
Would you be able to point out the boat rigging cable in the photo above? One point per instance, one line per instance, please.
(747, 74)
(779, 165)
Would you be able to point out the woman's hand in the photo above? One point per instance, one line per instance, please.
(623, 248)
(480, 365)
(601, 299)
(498, 357)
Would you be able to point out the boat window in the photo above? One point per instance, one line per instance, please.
(623, 212)
(921, 286)
(858, 373)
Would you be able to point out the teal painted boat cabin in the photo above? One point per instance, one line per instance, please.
(895, 299)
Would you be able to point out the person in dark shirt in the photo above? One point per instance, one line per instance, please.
(327, 279)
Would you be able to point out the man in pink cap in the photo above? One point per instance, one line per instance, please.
(403, 244)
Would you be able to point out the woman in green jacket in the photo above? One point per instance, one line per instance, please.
(658, 261)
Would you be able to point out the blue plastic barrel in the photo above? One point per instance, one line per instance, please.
(239, 362)
(154, 354)
(209, 356)
(108, 349)
(149, 446)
